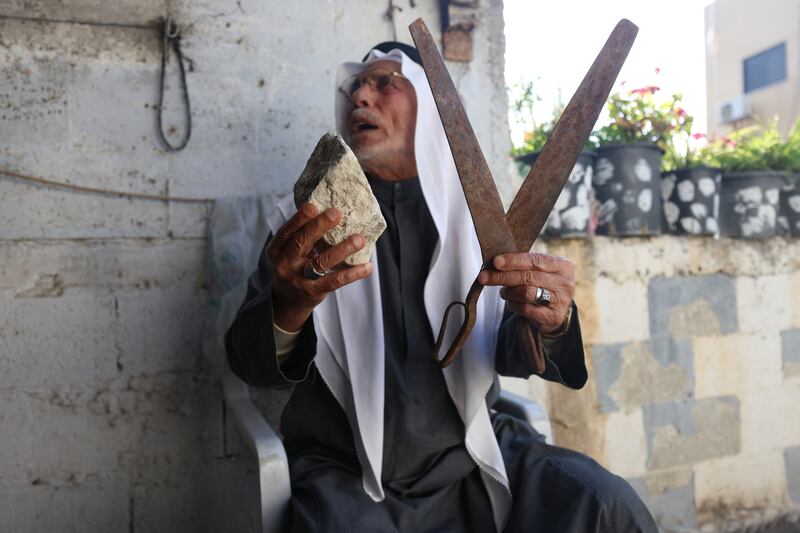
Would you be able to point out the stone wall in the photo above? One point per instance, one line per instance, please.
(694, 391)
(111, 417)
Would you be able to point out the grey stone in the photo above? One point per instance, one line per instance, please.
(792, 458)
(671, 504)
(641, 373)
(334, 178)
(681, 434)
(688, 306)
(791, 352)
(678, 415)
(607, 367)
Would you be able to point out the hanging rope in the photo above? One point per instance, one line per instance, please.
(106, 192)
(171, 38)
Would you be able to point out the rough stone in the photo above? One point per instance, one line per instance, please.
(643, 380)
(662, 481)
(608, 366)
(791, 352)
(334, 178)
(669, 496)
(792, 459)
(691, 306)
(680, 434)
(640, 373)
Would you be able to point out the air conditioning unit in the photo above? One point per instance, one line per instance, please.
(734, 109)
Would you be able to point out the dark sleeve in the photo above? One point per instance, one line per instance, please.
(250, 341)
(564, 357)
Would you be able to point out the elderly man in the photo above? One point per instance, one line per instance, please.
(379, 437)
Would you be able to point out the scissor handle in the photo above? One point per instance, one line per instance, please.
(530, 339)
(470, 306)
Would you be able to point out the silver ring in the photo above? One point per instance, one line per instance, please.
(543, 297)
(311, 272)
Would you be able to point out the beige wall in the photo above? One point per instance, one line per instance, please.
(738, 29)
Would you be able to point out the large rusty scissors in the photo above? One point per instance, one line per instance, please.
(516, 231)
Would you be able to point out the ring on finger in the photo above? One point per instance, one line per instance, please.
(543, 297)
(311, 272)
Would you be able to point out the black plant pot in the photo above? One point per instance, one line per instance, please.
(789, 212)
(627, 186)
(691, 200)
(748, 205)
(570, 215)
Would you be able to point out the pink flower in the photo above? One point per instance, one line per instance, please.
(648, 89)
(681, 112)
(658, 70)
(698, 136)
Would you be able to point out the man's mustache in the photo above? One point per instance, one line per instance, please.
(360, 116)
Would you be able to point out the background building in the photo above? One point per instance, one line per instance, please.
(752, 63)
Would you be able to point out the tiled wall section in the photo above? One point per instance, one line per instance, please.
(695, 388)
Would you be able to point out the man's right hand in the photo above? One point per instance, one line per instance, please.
(290, 250)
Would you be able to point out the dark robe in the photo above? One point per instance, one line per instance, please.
(430, 481)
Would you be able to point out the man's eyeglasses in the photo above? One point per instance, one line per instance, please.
(382, 80)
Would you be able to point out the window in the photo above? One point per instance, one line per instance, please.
(765, 68)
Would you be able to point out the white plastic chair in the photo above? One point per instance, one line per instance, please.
(273, 468)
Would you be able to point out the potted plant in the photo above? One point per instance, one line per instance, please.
(690, 184)
(755, 163)
(627, 172)
(789, 212)
(570, 214)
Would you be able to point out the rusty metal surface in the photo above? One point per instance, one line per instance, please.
(538, 194)
(488, 215)
(497, 232)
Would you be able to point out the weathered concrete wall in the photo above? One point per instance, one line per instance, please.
(112, 418)
(694, 391)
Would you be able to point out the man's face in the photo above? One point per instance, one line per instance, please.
(380, 128)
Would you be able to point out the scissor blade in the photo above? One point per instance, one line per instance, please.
(485, 206)
(539, 192)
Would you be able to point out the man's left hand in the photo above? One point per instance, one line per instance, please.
(520, 274)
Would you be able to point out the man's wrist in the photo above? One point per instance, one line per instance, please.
(290, 320)
(563, 328)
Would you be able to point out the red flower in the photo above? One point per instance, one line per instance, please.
(698, 136)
